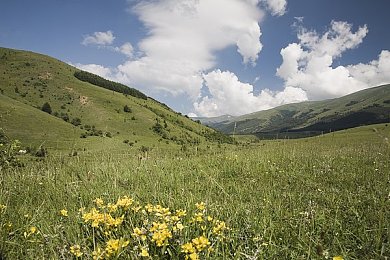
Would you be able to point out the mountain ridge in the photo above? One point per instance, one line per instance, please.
(369, 106)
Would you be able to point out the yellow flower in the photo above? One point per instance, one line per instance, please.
(209, 218)
(149, 208)
(124, 202)
(200, 243)
(200, 206)
(198, 217)
(64, 212)
(140, 232)
(179, 226)
(33, 230)
(161, 234)
(181, 213)
(219, 227)
(144, 252)
(99, 202)
(187, 248)
(338, 257)
(76, 250)
(112, 207)
(194, 256)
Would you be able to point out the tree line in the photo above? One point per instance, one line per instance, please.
(107, 84)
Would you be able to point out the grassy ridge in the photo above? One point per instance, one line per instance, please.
(29, 80)
(369, 106)
(292, 199)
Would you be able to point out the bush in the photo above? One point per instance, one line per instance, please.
(41, 152)
(127, 109)
(46, 108)
(76, 121)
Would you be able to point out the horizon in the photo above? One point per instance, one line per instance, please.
(205, 60)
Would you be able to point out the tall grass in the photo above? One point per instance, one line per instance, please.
(308, 199)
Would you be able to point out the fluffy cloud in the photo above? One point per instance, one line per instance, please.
(99, 38)
(276, 7)
(308, 63)
(184, 37)
(375, 73)
(180, 48)
(230, 96)
(126, 49)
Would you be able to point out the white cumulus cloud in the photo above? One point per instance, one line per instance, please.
(276, 7)
(230, 96)
(184, 37)
(99, 38)
(375, 73)
(126, 49)
(308, 64)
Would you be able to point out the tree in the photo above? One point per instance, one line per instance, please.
(46, 108)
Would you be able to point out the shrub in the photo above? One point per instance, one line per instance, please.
(46, 108)
(41, 152)
(127, 109)
(76, 121)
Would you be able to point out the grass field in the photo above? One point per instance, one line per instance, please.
(314, 198)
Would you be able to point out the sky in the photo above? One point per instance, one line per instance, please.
(213, 57)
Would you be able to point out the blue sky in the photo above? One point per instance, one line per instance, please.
(213, 57)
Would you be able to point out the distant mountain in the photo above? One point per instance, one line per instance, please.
(214, 120)
(46, 101)
(365, 107)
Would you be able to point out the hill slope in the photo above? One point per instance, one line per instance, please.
(365, 107)
(83, 115)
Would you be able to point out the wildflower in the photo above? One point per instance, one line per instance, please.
(209, 218)
(200, 206)
(219, 227)
(161, 233)
(193, 256)
(179, 226)
(141, 233)
(198, 217)
(76, 250)
(188, 248)
(144, 252)
(124, 202)
(2, 207)
(181, 213)
(114, 245)
(64, 212)
(200, 243)
(112, 207)
(338, 258)
(149, 208)
(99, 202)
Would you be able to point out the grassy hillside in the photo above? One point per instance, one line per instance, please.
(369, 106)
(83, 116)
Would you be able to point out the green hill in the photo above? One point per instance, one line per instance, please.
(370, 106)
(85, 116)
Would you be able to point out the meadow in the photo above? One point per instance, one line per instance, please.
(322, 197)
